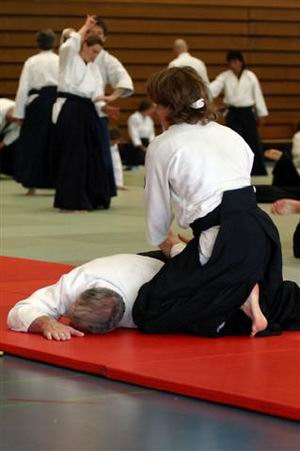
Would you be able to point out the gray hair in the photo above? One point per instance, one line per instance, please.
(97, 311)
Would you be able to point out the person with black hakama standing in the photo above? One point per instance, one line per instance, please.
(82, 182)
(9, 134)
(228, 280)
(34, 101)
(245, 102)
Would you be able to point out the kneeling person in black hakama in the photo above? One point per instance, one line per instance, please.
(228, 280)
(82, 182)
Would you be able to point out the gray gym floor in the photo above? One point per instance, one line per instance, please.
(47, 408)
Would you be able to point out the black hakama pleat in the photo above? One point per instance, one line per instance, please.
(81, 180)
(33, 157)
(285, 184)
(186, 296)
(243, 121)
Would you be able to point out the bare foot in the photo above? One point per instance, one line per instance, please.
(252, 309)
(273, 154)
(122, 188)
(285, 207)
(30, 192)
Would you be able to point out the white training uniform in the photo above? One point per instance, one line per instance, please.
(114, 74)
(188, 168)
(12, 131)
(139, 127)
(186, 59)
(39, 71)
(122, 273)
(240, 92)
(75, 76)
(296, 149)
(117, 165)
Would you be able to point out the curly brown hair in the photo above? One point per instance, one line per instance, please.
(176, 89)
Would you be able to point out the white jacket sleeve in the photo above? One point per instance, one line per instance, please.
(22, 93)
(159, 214)
(217, 86)
(69, 49)
(52, 301)
(260, 104)
(117, 75)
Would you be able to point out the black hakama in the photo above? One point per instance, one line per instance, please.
(135, 155)
(81, 179)
(285, 184)
(186, 296)
(7, 158)
(33, 157)
(243, 121)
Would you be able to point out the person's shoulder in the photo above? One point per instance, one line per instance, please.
(296, 136)
(106, 57)
(135, 117)
(174, 62)
(225, 74)
(54, 56)
(32, 59)
(196, 60)
(162, 145)
(225, 131)
(250, 74)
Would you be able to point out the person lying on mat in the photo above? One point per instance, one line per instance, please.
(97, 297)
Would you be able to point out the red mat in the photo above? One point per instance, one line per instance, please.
(260, 374)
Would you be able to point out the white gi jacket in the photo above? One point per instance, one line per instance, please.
(139, 127)
(38, 71)
(188, 167)
(75, 76)
(240, 92)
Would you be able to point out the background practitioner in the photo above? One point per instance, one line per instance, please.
(34, 101)
(82, 182)
(245, 102)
